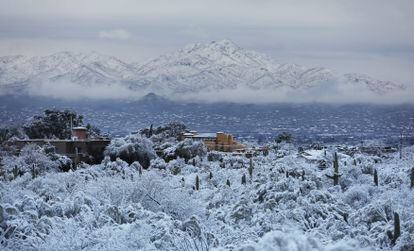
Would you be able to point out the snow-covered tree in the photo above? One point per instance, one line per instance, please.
(131, 148)
(188, 149)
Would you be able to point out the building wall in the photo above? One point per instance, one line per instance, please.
(80, 134)
(222, 142)
(89, 151)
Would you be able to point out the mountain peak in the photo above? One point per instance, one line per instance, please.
(61, 54)
(222, 46)
(225, 43)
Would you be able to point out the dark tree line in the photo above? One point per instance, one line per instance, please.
(50, 125)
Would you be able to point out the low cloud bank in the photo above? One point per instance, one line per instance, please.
(71, 91)
(323, 93)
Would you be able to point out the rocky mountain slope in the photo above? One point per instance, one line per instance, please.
(215, 66)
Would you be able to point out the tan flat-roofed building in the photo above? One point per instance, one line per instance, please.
(219, 141)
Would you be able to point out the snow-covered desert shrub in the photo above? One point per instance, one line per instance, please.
(295, 241)
(175, 166)
(158, 163)
(111, 206)
(35, 160)
(214, 156)
(357, 196)
(132, 148)
(188, 149)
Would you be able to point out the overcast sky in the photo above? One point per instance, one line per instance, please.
(368, 36)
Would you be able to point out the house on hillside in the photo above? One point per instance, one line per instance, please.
(79, 148)
(219, 141)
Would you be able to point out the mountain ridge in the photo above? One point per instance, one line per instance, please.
(197, 68)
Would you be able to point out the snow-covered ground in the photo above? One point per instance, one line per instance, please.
(288, 203)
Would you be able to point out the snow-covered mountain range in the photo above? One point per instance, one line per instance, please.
(215, 66)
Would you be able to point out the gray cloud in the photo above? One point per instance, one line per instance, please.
(332, 92)
(114, 34)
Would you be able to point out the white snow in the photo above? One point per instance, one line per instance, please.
(113, 207)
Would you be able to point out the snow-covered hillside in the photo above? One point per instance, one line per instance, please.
(285, 202)
(214, 66)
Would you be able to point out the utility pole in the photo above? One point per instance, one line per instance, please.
(401, 143)
(71, 126)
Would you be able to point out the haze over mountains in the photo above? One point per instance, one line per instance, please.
(216, 71)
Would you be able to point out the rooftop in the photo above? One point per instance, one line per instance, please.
(205, 135)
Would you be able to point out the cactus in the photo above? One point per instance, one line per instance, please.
(15, 172)
(1, 215)
(197, 183)
(243, 179)
(228, 182)
(397, 230)
(250, 169)
(336, 175)
(33, 171)
(375, 177)
(150, 132)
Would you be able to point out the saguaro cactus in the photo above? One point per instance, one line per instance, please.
(140, 171)
(397, 230)
(33, 171)
(150, 132)
(336, 175)
(376, 177)
(243, 179)
(197, 183)
(15, 172)
(250, 169)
